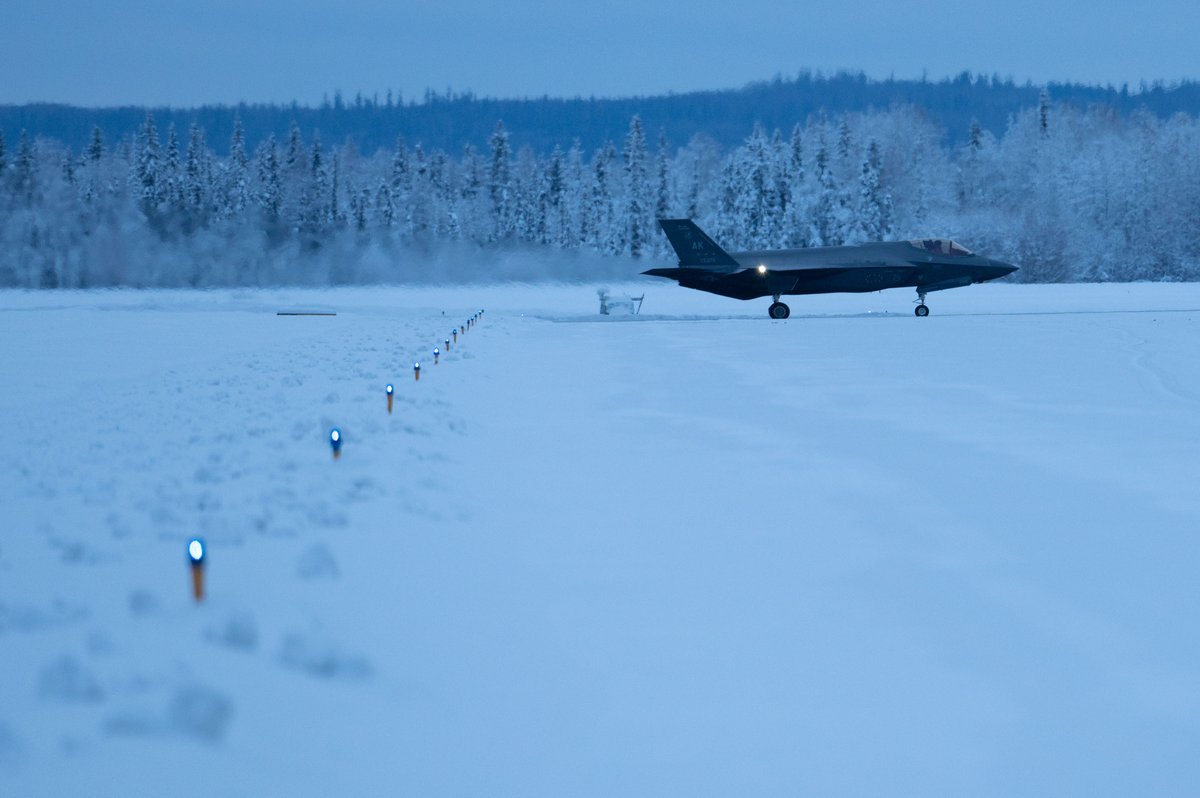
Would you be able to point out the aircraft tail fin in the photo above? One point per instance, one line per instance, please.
(694, 248)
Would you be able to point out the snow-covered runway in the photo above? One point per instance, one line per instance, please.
(851, 553)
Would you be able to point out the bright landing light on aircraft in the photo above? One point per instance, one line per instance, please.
(762, 269)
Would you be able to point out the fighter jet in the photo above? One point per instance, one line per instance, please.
(927, 264)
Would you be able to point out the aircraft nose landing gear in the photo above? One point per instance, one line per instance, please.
(922, 310)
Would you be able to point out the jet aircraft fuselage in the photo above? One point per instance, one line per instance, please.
(933, 264)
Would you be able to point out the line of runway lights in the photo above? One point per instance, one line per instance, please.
(195, 548)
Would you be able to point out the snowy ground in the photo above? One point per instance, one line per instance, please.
(696, 553)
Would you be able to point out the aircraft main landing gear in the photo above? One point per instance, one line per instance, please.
(778, 310)
(922, 310)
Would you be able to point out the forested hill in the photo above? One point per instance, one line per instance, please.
(450, 121)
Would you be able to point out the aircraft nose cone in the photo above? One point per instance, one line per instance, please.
(1002, 269)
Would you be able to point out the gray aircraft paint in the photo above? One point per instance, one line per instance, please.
(934, 264)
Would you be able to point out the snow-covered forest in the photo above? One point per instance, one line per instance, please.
(1067, 194)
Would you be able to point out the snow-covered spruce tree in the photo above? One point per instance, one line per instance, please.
(846, 170)
(636, 227)
(418, 214)
(196, 188)
(447, 181)
(779, 190)
(969, 167)
(312, 211)
(795, 224)
(68, 168)
(270, 188)
(237, 173)
(1039, 207)
(295, 158)
(25, 177)
(401, 177)
(444, 223)
(598, 222)
(553, 194)
(526, 186)
(874, 202)
(400, 187)
(360, 202)
(334, 216)
(845, 146)
(728, 195)
(147, 169)
(500, 188)
(172, 198)
(385, 211)
(473, 215)
(441, 187)
(824, 211)
(662, 196)
(93, 164)
(698, 170)
(570, 228)
(754, 206)
(95, 148)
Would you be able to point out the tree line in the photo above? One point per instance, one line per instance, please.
(1067, 194)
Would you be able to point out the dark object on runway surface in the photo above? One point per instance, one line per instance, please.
(929, 264)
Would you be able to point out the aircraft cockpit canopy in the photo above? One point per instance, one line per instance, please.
(941, 246)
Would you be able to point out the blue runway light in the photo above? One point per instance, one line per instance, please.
(335, 440)
(196, 550)
(389, 389)
(436, 351)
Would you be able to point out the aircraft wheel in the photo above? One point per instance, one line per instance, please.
(778, 310)
(922, 310)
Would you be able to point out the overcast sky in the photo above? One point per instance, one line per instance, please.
(187, 52)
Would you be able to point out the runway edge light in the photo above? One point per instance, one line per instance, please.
(390, 391)
(335, 442)
(196, 553)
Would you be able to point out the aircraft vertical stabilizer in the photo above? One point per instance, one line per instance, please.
(695, 249)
